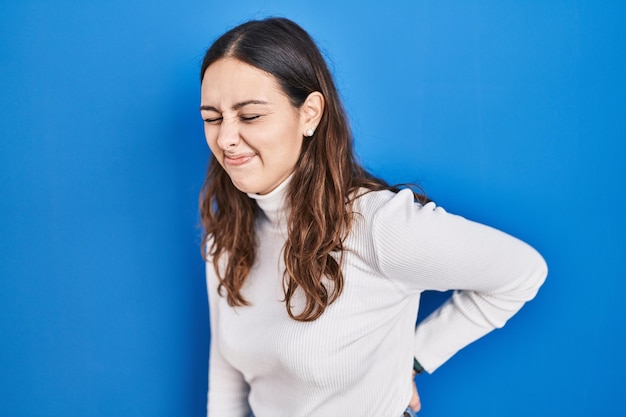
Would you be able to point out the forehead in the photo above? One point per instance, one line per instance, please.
(229, 80)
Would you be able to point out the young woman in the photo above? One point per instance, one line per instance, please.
(315, 267)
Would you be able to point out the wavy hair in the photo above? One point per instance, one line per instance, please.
(325, 181)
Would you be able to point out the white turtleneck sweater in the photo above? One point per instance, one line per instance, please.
(357, 358)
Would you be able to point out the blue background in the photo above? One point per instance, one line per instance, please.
(510, 113)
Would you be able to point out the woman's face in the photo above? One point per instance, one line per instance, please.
(250, 125)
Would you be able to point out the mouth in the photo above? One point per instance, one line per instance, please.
(238, 160)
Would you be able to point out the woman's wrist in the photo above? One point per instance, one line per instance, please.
(417, 367)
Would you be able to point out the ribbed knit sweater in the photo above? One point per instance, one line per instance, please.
(357, 358)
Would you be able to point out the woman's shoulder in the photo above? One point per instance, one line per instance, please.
(374, 200)
(399, 210)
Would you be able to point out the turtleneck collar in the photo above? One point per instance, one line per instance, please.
(273, 203)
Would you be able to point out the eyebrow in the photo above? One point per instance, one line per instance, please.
(236, 106)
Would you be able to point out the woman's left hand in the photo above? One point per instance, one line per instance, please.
(415, 403)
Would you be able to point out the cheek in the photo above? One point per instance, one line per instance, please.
(211, 138)
(290, 142)
(294, 148)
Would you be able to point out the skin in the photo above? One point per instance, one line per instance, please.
(415, 403)
(252, 128)
(254, 131)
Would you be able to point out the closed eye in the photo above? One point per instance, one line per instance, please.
(249, 118)
(213, 120)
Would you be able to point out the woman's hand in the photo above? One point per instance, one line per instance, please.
(415, 403)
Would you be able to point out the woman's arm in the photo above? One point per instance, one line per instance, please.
(426, 248)
(228, 391)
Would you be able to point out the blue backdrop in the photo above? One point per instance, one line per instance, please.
(510, 113)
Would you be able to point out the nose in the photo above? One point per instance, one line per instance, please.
(228, 135)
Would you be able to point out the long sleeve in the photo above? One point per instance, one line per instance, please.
(422, 247)
(228, 391)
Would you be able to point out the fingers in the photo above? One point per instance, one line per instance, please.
(415, 402)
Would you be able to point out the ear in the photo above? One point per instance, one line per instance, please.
(311, 112)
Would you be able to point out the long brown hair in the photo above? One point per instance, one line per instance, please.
(324, 183)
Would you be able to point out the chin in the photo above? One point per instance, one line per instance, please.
(245, 186)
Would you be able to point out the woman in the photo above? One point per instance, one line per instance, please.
(314, 267)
